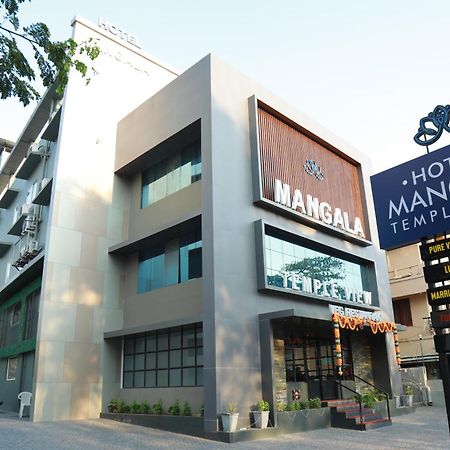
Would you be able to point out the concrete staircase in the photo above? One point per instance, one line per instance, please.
(345, 414)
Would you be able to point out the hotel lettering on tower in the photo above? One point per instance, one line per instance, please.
(202, 252)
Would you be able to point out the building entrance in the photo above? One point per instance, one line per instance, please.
(310, 363)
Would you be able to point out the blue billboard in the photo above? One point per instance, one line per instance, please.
(412, 200)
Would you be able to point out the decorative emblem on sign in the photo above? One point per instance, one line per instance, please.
(296, 395)
(313, 169)
(433, 125)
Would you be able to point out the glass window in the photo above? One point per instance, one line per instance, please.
(15, 314)
(174, 357)
(31, 315)
(163, 360)
(286, 257)
(189, 377)
(11, 369)
(402, 312)
(150, 361)
(151, 270)
(139, 362)
(175, 261)
(163, 378)
(175, 377)
(139, 379)
(171, 174)
(150, 378)
(151, 342)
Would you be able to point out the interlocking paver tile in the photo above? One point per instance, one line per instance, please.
(426, 428)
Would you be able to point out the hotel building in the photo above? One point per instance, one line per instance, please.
(184, 236)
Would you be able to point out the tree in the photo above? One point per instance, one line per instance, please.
(53, 59)
(323, 268)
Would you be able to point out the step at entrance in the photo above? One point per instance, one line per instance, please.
(345, 414)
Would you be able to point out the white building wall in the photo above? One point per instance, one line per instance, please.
(82, 286)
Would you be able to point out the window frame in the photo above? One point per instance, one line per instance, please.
(402, 309)
(8, 377)
(166, 169)
(163, 350)
(16, 310)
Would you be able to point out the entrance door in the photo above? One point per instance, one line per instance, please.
(320, 366)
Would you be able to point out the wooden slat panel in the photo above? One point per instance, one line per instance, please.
(284, 150)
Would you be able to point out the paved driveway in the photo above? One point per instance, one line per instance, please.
(425, 429)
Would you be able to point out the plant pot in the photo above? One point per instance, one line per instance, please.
(407, 400)
(229, 422)
(260, 419)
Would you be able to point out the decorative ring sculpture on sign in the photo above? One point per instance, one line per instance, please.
(438, 120)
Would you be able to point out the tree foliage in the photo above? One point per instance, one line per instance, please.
(323, 268)
(53, 59)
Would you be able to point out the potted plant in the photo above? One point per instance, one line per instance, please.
(230, 418)
(261, 414)
(407, 399)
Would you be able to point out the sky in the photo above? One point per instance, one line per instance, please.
(366, 70)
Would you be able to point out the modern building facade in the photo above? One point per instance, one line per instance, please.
(197, 238)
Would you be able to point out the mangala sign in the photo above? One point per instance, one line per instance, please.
(412, 200)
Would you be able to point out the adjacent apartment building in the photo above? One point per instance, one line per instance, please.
(411, 309)
(184, 237)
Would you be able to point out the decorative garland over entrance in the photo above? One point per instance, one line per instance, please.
(357, 323)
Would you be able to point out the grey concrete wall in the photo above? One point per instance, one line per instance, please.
(218, 95)
(170, 303)
(82, 286)
(230, 271)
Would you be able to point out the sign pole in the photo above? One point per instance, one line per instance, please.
(429, 251)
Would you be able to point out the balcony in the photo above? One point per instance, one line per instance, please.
(24, 251)
(9, 194)
(43, 192)
(34, 156)
(25, 213)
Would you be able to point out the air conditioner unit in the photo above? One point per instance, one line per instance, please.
(43, 183)
(33, 246)
(23, 250)
(36, 148)
(26, 208)
(30, 224)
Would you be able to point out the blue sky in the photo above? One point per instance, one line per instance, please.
(368, 71)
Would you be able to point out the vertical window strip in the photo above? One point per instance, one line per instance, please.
(171, 174)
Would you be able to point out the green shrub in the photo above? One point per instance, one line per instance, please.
(126, 409)
(281, 406)
(145, 408)
(315, 402)
(158, 407)
(135, 407)
(262, 405)
(187, 411)
(369, 398)
(303, 404)
(295, 406)
(232, 407)
(121, 406)
(408, 390)
(175, 409)
(113, 405)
